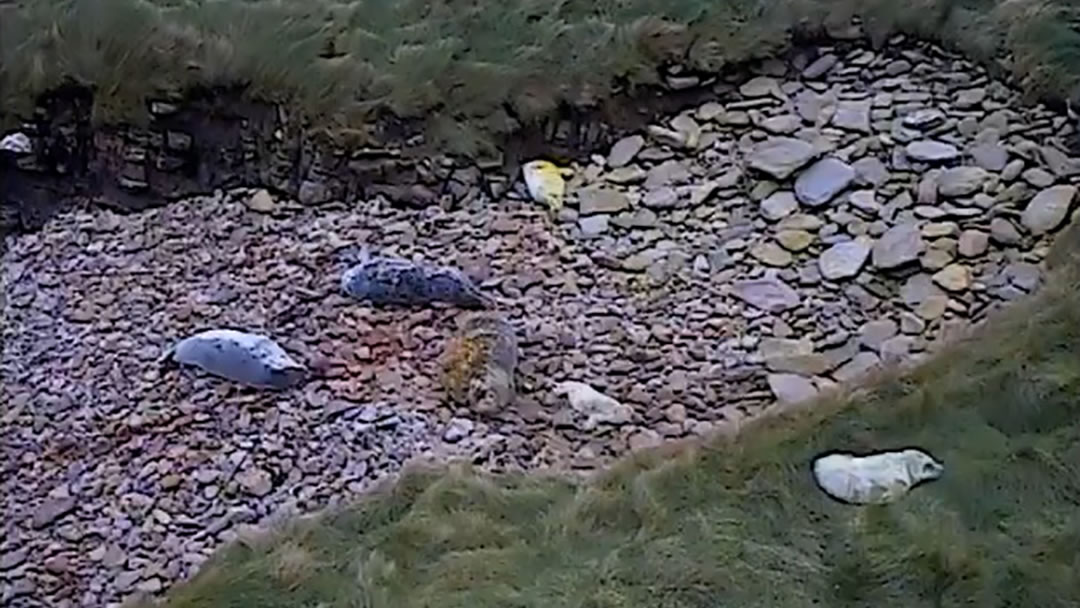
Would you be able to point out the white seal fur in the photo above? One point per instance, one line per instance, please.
(251, 359)
(876, 478)
(596, 406)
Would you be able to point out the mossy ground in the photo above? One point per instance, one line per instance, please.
(470, 71)
(738, 521)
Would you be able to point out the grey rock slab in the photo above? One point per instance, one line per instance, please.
(844, 260)
(820, 66)
(973, 243)
(923, 119)
(1023, 275)
(768, 294)
(760, 86)
(602, 200)
(990, 156)
(931, 151)
(852, 116)
(779, 205)
(901, 244)
(1040, 178)
(661, 198)
(594, 225)
(791, 388)
(624, 151)
(961, 181)
(857, 367)
(12, 559)
(668, 172)
(1048, 209)
(1003, 231)
(870, 171)
(785, 124)
(781, 157)
(51, 510)
(823, 181)
(874, 333)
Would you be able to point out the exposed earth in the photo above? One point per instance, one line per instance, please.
(823, 221)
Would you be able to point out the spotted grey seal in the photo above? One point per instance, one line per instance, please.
(384, 280)
(251, 359)
(874, 478)
(480, 362)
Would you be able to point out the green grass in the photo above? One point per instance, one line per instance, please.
(469, 71)
(738, 521)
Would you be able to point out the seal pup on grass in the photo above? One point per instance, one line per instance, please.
(875, 478)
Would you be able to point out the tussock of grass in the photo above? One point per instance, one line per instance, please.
(472, 71)
(739, 521)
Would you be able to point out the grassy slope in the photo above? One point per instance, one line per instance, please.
(472, 69)
(739, 522)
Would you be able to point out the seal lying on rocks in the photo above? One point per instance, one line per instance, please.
(596, 406)
(876, 478)
(251, 359)
(388, 280)
(479, 364)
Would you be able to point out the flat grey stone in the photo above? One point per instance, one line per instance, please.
(852, 116)
(901, 244)
(870, 171)
(779, 205)
(593, 225)
(661, 198)
(791, 388)
(602, 200)
(769, 294)
(823, 181)
(780, 157)
(961, 181)
(844, 260)
(624, 151)
(1048, 209)
(1002, 231)
(859, 366)
(820, 66)
(990, 156)
(874, 333)
(51, 510)
(931, 151)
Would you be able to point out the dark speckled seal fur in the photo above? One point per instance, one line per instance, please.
(385, 280)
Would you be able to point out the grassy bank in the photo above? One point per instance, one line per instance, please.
(472, 70)
(739, 522)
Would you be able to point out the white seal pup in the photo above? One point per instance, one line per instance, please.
(597, 407)
(250, 359)
(875, 478)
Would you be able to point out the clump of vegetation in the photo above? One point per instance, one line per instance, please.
(470, 71)
(738, 521)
